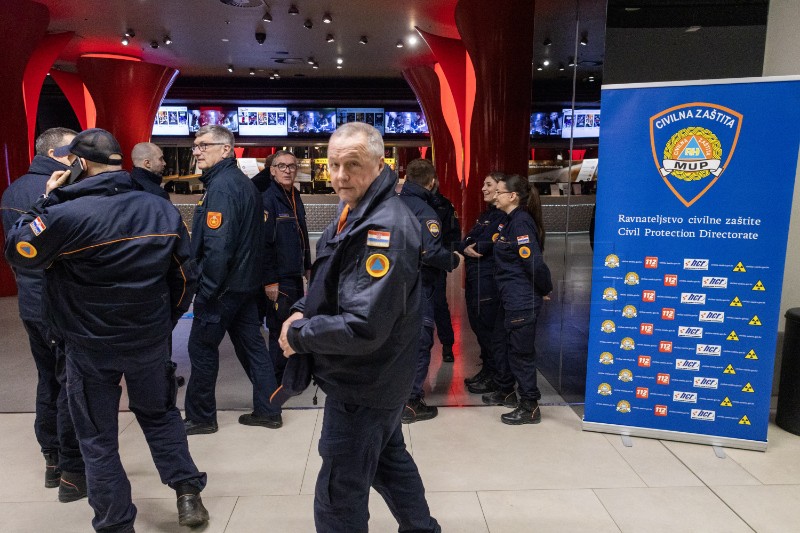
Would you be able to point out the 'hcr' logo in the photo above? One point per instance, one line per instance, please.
(690, 143)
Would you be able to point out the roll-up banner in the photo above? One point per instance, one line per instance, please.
(694, 197)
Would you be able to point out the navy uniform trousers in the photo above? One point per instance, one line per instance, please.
(482, 315)
(289, 291)
(93, 388)
(425, 345)
(441, 311)
(515, 352)
(53, 424)
(236, 314)
(361, 447)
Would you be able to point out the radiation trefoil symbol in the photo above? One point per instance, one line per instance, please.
(692, 146)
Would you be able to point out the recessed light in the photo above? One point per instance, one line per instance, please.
(547, 42)
(153, 44)
(339, 61)
(329, 38)
(125, 41)
(399, 43)
(130, 33)
(315, 65)
(225, 40)
(230, 68)
(267, 17)
(584, 39)
(293, 10)
(168, 40)
(310, 60)
(693, 29)
(546, 62)
(338, 66)
(539, 67)
(412, 40)
(327, 18)
(252, 72)
(308, 24)
(363, 40)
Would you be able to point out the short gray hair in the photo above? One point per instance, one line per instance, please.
(283, 152)
(218, 133)
(52, 139)
(372, 137)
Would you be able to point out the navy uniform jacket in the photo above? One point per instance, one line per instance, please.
(434, 255)
(118, 262)
(287, 253)
(144, 180)
(451, 227)
(362, 318)
(480, 271)
(17, 199)
(520, 271)
(228, 232)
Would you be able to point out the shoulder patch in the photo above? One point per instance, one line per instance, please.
(523, 239)
(37, 226)
(266, 215)
(524, 252)
(433, 227)
(378, 239)
(495, 236)
(377, 265)
(26, 249)
(213, 219)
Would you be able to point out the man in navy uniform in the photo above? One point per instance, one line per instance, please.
(119, 274)
(360, 322)
(451, 236)
(148, 169)
(416, 193)
(228, 246)
(53, 424)
(287, 258)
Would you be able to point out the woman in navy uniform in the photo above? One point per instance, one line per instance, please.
(523, 280)
(480, 288)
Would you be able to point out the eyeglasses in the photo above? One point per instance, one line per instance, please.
(202, 147)
(283, 167)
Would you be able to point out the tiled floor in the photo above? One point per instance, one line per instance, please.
(480, 475)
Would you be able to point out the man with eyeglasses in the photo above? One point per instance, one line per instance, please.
(228, 246)
(287, 252)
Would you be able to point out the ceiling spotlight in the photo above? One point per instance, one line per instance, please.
(547, 42)
(315, 65)
(561, 67)
(276, 75)
(399, 43)
(308, 24)
(252, 72)
(154, 44)
(267, 17)
(591, 78)
(338, 66)
(168, 40)
(293, 10)
(327, 18)
(584, 39)
(339, 60)
(125, 41)
(310, 61)
(412, 40)
(329, 38)
(261, 37)
(546, 62)
(130, 33)
(571, 61)
(691, 29)
(363, 40)
(539, 67)
(230, 69)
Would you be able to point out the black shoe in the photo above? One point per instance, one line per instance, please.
(199, 428)
(417, 411)
(480, 376)
(72, 487)
(527, 412)
(191, 511)
(483, 386)
(267, 421)
(447, 354)
(52, 474)
(506, 399)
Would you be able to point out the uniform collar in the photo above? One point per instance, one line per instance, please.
(44, 165)
(143, 173)
(104, 184)
(412, 189)
(222, 166)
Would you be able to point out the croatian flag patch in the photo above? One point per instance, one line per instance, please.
(378, 239)
(523, 239)
(37, 226)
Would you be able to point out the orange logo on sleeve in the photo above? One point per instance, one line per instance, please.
(213, 219)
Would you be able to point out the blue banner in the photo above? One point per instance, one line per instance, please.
(694, 196)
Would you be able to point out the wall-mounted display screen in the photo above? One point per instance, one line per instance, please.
(312, 120)
(268, 121)
(405, 122)
(586, 123)
(210, 115)
(546, 124)
(371, 115)
(171, 120)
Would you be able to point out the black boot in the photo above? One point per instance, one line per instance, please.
(52, 474)
(417, 411)
(506, 399)
(483, 386)
(480, 376)
(191, 511)
(447, 354)
(527, 412)
(72, 487)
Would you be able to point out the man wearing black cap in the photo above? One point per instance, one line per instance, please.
(53, 424)
(118, 274)
(360, 322)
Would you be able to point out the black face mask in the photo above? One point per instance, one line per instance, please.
(76, 171)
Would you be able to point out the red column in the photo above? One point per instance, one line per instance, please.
(499, 129)
(126, 95)
(425, 84)
(24, 25)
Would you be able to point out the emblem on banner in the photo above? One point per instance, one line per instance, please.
(692, 146)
